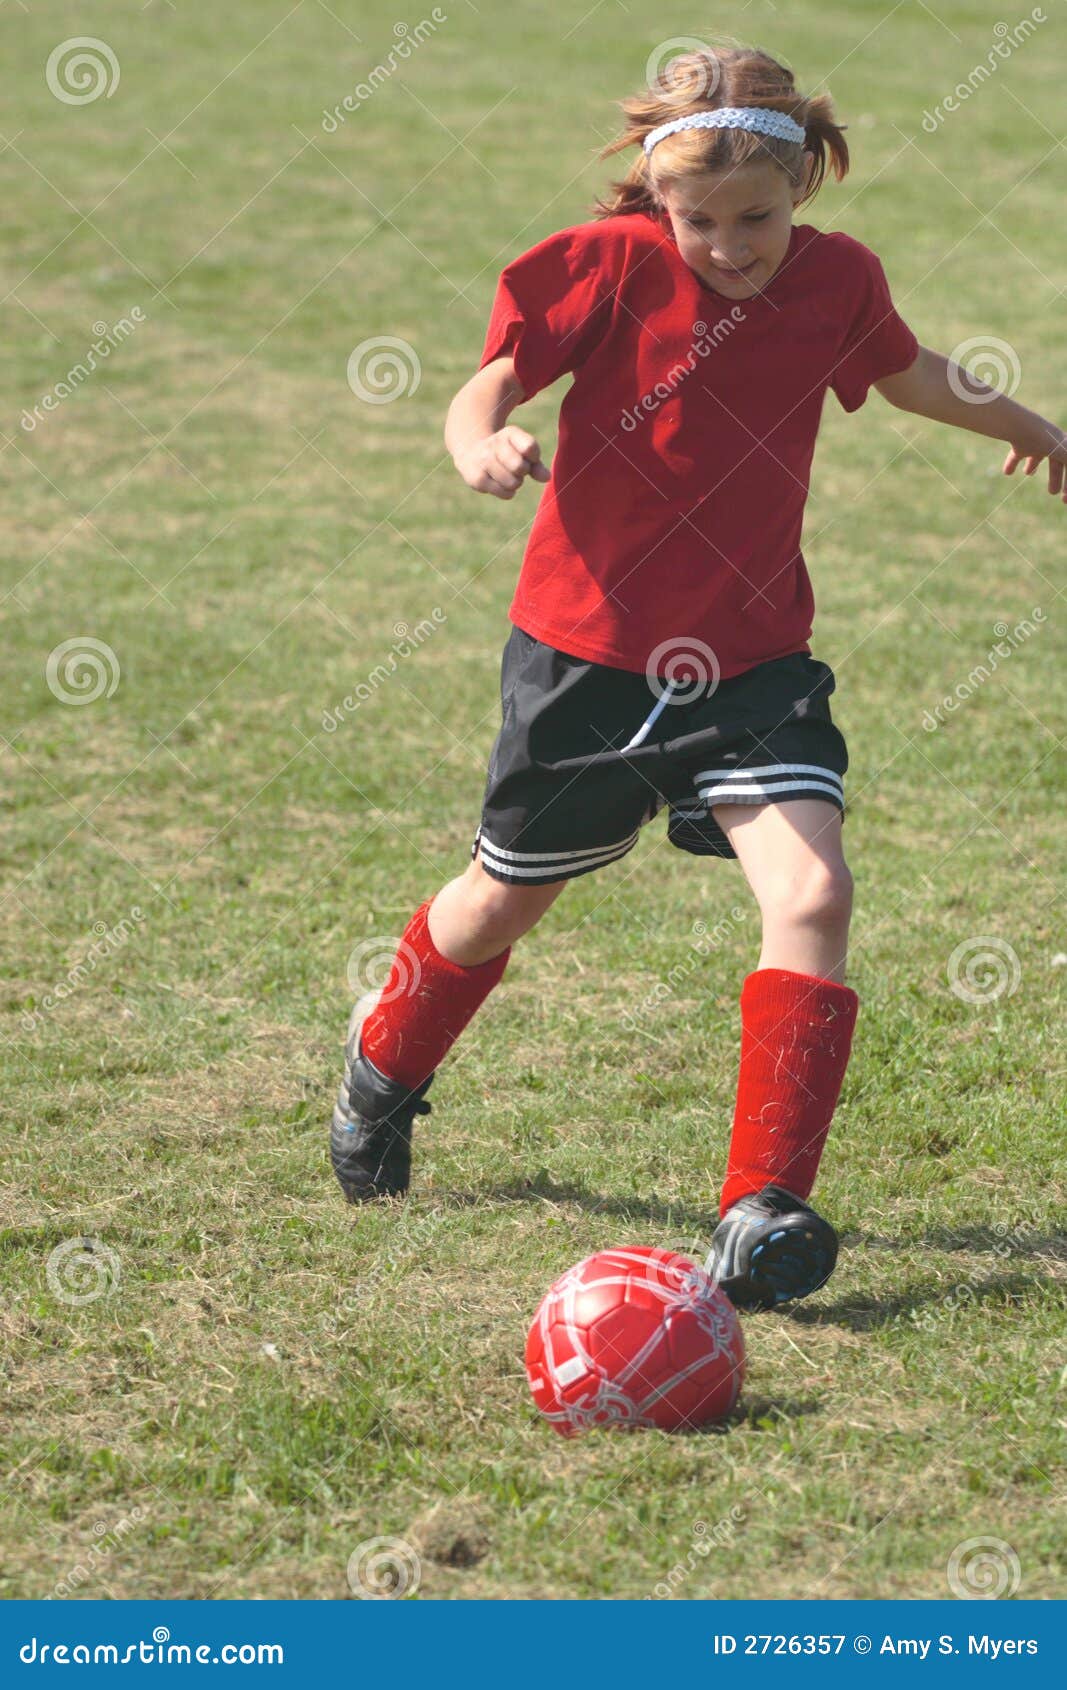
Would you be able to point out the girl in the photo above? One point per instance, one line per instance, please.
(659, 654)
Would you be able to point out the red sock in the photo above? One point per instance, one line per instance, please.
(425, 1004)
(796, 1037)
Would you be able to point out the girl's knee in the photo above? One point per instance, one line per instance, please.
(819, 897)
(510, 910)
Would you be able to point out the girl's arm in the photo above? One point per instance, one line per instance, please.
(965, 402)
(490, 456)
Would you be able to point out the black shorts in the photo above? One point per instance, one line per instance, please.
(587, 754)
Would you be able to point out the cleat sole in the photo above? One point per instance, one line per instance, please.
(795, 1261)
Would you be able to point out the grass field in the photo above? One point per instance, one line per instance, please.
(245, 1382)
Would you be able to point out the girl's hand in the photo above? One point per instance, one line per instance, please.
(500, 463)
(1057, 463)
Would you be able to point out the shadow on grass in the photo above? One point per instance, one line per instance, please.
(755, 1414)
(979, 1240)
(938, 1300)
(762, 1412)
(700, 1222)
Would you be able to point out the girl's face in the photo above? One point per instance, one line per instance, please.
(733, 229)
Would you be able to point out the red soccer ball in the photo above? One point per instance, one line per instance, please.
(635, 1337)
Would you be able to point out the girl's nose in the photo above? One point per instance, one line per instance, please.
(738, 257)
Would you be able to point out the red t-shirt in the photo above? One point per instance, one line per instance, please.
(685, 440)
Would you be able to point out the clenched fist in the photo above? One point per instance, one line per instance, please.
(500, 463)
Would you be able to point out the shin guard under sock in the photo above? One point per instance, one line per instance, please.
(796, 1038)
(425, 1004)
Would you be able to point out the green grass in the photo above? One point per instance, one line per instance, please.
(271, 1381)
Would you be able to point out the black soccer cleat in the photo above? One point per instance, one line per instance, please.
(771, 1248)
(370, 1133)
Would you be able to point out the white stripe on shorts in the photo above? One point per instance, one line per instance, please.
(714, 785)
(735, 792)
(543, 862)
(761, 769)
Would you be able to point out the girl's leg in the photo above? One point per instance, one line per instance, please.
(474, 917)
(453, 952)
(792, 858)
(797, 1014)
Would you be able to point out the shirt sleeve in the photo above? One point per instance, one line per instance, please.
(877, 343)
(552, 308)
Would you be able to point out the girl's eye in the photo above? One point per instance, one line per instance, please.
(754, 217)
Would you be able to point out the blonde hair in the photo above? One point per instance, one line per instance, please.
(704, 80)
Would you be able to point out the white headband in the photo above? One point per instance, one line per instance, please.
(760, 118)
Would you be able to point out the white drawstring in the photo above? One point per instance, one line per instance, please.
(657, 710)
